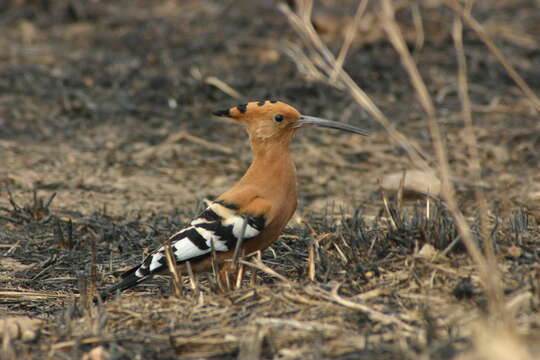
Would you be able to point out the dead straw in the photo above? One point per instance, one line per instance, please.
(375, 315)
(176, 277)
(320, 63)
(488, 274)
(258, 264)
(193, 280)
(472, 143)
(311, 261)
(349, 37)
(239, 275)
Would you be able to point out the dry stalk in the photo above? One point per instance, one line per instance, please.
(173, 269)
(30, 295)
(472, 143)
(349, 37)
(184, 135)
(301, 325)
(479, 30)
(340, 252)
(72, 343)
(85, 301)
(373, 314)
(428, 207)
(239, 275)
(418, 26)
(223, 86)
(311, 261)
(393, 223)
(258, 255)
(226, 278)
(399, 196)
(93, 269)
(258, 264)
(192, 279)
(451, 246)
(321, 64)
(215, 267)
(488, 274)
(173, 139)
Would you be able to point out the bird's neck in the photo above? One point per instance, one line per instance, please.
(272, 166)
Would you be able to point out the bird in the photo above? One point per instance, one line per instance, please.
(255, 210)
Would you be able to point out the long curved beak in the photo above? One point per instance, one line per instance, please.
(315, 121)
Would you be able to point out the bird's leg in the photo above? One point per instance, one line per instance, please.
(239, 243)
(232, 266)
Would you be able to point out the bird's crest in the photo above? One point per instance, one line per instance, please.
(264, 119)
(257, 109)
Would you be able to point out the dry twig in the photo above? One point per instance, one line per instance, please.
(373, 314)
(258, 264)
(221, 85)
(472, 143)
(173, 269)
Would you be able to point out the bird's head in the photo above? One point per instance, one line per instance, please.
(272, 120)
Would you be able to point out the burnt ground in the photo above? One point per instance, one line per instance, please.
(107, 147)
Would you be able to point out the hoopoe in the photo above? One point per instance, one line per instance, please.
(255, 210)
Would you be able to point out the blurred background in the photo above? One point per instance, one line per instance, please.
(91, 90)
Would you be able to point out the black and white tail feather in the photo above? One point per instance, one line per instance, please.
(219, 223)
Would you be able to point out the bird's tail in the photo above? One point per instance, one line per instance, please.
(130, 279)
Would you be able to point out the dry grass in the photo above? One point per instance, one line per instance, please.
(373, 277)
(488, 272)
(330, 70)
(382, 294)
(320, 64)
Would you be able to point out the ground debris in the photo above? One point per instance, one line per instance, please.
(19, 327)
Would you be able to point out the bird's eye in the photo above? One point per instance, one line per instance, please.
(278, 118)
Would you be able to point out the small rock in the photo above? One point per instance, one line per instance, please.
(514, 251)
(427, 252)
(267, 56)
(415, 181)
(97, 353)
(28, 335)
(19, 327)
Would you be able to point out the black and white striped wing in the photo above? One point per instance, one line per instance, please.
(219, 225)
